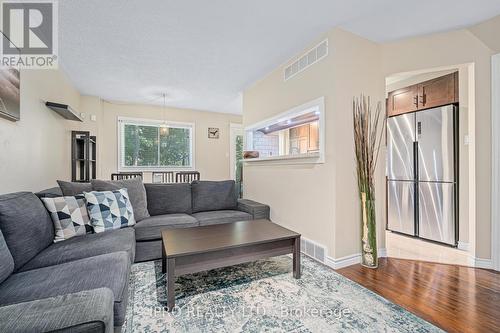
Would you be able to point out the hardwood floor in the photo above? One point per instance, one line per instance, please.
(454, 298)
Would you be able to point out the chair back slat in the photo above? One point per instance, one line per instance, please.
(126, 175)
(163, 177)
(187, 176)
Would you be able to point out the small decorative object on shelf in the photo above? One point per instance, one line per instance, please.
(250, 154)
(368, 125)
(83, 156)
(213, 133)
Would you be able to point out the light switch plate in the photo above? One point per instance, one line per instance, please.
(93, 117)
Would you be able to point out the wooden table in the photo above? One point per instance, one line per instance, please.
(191, 250)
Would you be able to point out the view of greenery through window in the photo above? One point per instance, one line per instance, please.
(150, 146)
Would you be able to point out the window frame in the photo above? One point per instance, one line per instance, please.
(317, 104)
(122, 121)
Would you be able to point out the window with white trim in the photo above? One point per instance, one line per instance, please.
(298, 133)
(154, 144)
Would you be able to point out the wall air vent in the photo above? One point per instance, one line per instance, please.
(309, 58)
(312, 249)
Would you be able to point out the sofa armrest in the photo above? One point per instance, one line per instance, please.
(85, 311)
(256, 209)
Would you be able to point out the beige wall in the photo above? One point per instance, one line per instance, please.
(320, 201)
(35, 151)
(487, 32)
(211, 155)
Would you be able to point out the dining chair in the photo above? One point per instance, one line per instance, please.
(186, 176)
(163, 177)
(126, 175)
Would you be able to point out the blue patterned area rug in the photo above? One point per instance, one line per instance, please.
(262, 296)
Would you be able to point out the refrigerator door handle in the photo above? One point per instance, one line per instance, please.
(415, 159)
(419, 129)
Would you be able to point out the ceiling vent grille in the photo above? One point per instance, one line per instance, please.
(309, 58)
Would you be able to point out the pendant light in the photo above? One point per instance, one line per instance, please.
(164, 126)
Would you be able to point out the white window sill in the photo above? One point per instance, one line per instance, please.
(155, 169)
(314, 157)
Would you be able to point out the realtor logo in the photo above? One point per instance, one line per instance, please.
(29, 31)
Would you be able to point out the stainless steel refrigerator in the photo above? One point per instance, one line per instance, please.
(422, 174)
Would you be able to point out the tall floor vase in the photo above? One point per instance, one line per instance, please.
(367, 138)
(369, 256)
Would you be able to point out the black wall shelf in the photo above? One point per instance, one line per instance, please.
(64, 111)
(83, 156)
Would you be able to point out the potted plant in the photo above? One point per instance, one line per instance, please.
(368, 133)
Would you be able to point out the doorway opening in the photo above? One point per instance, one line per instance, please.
(495, 160)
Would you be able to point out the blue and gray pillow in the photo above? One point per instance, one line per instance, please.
(109, 210)
(69, 215)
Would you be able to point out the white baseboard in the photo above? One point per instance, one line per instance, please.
(343, 262)
(350, 260)
(481, 263)
(463, 246)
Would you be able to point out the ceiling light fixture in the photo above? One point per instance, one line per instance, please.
(164, 130)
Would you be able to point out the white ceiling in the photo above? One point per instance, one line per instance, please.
(204, 53)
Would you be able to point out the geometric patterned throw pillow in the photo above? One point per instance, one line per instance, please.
(69, 215)
(109, 209)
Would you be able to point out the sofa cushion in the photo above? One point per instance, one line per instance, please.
(53, 192)
(213, 195)
(168, 198)
(151, 227)
(221, 216)
(104, 271)
(6, 261)
(69, 215)
(26, 226)
(148, 250)
(136, 192)
(86, 246)
(74, 188)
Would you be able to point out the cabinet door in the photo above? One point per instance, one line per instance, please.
(402, 101)
(438, 92)
(313, 136)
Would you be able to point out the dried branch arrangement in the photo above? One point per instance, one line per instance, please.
(368, 125)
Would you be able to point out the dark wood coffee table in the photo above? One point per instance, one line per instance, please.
(197, 249)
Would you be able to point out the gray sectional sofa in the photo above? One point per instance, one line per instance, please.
(81, 284)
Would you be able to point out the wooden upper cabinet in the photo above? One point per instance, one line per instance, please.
(437, 92)
(433, 93)
(402, 101)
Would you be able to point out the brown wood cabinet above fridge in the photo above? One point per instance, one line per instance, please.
(425, 95)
